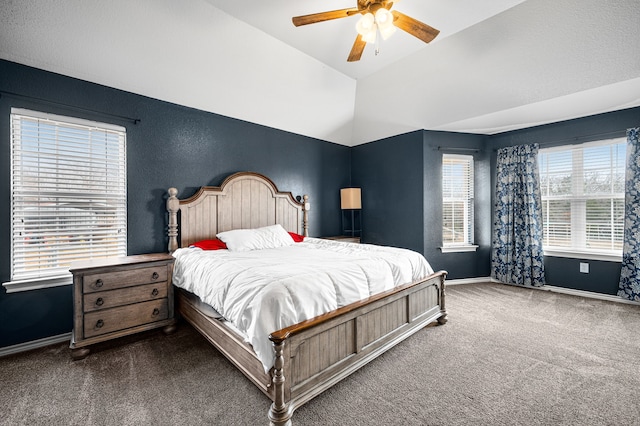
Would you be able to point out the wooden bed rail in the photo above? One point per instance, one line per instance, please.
(291, 392)
(281, 335)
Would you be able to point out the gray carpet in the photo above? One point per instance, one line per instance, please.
(508, 356)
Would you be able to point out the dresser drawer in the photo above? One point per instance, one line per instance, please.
(125, 296)
(109, 320)
(118, 296)
(124, 278)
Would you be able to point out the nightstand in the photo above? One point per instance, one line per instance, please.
(120, 296)
(344, 239)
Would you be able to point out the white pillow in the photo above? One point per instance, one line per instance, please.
(273, 236)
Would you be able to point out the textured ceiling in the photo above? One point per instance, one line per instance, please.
(330, 41)
(497, 65)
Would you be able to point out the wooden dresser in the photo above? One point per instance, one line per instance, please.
(119, 296)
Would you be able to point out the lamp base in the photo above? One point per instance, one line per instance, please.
(352, 231)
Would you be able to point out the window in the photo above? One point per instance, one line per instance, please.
(583, 197)
(68, 196)
(457, 201)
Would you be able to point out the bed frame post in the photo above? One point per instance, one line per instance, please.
(173, 205)
(443, 318)
(280, 412)
(305, 215)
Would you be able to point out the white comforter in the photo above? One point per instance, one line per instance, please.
(262, 291)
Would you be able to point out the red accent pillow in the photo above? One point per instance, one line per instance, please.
(296, 237)
(210, 244)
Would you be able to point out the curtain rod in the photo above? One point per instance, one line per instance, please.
(612, 134)
(60, 104)
(453, 149)
(580, 139)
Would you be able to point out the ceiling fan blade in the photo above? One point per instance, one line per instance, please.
(414, 27)
(322, 16)
(357, 49)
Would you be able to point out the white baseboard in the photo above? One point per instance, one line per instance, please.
(589, 294)
(34, 344)
(546, 287)
(478, 280)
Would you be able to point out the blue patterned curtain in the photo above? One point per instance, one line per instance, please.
(516, 256)
(630, 274)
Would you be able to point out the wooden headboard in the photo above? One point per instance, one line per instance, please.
(245, 200)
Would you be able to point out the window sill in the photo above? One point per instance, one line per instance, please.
(576, 254)
(37, 283)
(459, 249)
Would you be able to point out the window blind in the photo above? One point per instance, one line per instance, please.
(583, 196)
(68, 193)
(457, 199)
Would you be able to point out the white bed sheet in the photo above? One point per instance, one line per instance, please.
(262, 291)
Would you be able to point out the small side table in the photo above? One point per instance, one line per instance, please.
(120, 296)
(344, 239)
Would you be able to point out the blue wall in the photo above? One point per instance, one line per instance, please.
(400, 208)
(171, 146)
(401, 181)
(177, 146)
(464, 264)
(389, 172)
(603, 276)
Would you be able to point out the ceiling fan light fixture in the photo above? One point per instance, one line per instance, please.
(365, 24)
(384, 20)
(370, 36)
(367, 28)
(386, 31)
(384, 17)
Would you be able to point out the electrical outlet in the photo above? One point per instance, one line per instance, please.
(584, 268)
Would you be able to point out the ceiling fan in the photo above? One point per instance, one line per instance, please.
(377, 19)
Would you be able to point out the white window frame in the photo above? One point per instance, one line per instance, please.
(578, 250)
(68, 177)
(468, 202)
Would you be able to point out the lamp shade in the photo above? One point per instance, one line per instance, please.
(350, 198)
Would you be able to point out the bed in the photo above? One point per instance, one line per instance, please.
(312, 355)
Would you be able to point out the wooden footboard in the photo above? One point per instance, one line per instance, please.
(314, 355)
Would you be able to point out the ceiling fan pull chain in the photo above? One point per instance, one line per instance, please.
(377, 44)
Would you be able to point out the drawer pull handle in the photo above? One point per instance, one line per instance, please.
(156, 312)
(99, 283)
(155, 276)
(99, 324)
(99, 301)
(155, 292)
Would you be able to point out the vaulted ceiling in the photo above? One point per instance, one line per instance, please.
(496, 65)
